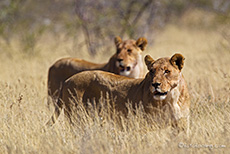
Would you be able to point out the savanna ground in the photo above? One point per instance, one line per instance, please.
(24, 110)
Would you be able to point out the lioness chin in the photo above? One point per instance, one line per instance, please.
(127, 61)
(164, 85)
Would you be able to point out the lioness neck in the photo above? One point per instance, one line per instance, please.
(138, 71)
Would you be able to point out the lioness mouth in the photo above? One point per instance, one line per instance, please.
(159, 93)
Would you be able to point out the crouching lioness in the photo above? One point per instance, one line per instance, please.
(163, 85)
(127, 61)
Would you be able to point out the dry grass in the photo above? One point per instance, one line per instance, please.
(23, 92)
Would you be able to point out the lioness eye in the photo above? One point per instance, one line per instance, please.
(129, 50)
(167, 71)
(118, 51)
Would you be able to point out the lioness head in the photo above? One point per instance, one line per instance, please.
(128, 54)
(164, 74)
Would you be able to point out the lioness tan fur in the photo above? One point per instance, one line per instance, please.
(164, 85)
(126, 61)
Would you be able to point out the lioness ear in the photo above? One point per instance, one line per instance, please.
(142, 43)
(117, 40)
(177, 61)
(148, 61)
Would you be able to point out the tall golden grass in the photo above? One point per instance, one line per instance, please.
(24, 110)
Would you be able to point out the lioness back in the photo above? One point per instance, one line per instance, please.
(92, 85)
(65, 68)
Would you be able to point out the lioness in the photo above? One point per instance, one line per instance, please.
(164, 85)
(126, 61)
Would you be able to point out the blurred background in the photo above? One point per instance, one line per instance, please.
(91, 25)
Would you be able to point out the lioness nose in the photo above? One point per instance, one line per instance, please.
(155, 85)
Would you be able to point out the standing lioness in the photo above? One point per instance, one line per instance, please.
(126, 61)
(163, 85)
